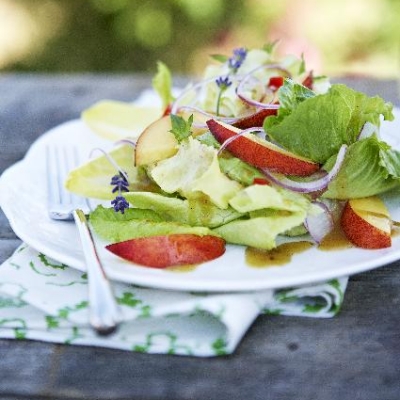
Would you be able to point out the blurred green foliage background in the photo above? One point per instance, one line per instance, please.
(336, 36)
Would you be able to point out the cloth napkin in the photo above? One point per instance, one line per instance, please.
(44, 300)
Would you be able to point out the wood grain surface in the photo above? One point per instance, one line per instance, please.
(354, 356)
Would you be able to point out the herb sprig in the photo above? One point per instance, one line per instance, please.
(234, 63)
(181, 128)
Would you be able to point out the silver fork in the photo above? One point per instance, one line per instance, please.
(104, 314)
(61, 203)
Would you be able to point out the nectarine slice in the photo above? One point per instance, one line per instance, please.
(260, 153)
(169, 250)
(254, 120)
(156, 142)
(366, 223)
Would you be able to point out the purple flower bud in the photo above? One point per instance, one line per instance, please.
(120, 204)
(223, 83)
(120, 182)
(237, 59)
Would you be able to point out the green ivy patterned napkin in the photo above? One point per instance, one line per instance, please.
(41, 299)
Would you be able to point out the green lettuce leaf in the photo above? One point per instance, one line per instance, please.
(390, 161)
(316, 127)
(291, 94)
(198, 211)
(369, 168)
(195, 168)
(238, 170)
(271, 211)
(92, 179)
(134, 223)
(114, 120)
(208, 139)
(257, 197)
(260, 232)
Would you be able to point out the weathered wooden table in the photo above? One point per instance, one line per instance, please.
(355, 355)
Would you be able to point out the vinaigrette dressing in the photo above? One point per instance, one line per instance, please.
(335, 240)
(280, 255)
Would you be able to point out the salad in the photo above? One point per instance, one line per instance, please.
(258, 153)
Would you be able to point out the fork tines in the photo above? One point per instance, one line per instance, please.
(60, 160)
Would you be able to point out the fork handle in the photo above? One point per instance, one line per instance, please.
(104, 314)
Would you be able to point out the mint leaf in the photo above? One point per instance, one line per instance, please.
(270, 47)
(302, 67)
(181, 129)
(219, 57)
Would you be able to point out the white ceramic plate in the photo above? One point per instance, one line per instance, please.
(23, 200)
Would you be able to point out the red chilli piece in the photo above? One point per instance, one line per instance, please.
(261, 181)
(275, 82)
(167, 110)
(309, 80)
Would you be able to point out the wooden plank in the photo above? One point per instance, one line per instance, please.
(355, 355)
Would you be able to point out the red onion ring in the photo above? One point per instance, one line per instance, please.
(321, 224)
(227, 120)
(233, 138)
(309, 186)
(110, 160)
(131, 142)
(175, 105)
(249, 75)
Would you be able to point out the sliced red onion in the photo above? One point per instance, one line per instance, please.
(367, 130)
(110, 160)
(227, 120)
(176, 107)
(233, 138)
(319, 224)
(252, 102)
(131, 142)
(199, 85)
(308, 186)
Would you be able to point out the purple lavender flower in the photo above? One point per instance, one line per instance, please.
(120, 184)
(120, 204)
(223, 83)
(237, 59)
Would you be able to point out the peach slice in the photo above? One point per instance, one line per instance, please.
(260, 153)
(156, 142)
(169, 250)
(256, 119)
(366, 222)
